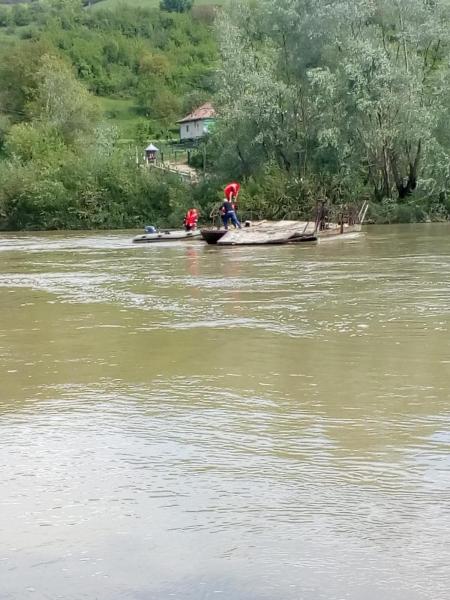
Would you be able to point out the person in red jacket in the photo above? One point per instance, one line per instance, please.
(231, 192)
(190, 220)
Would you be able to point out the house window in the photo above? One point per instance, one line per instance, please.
(187, 128)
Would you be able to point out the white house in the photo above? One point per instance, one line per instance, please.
(197, 124)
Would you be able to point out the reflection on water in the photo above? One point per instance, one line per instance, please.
(194, 422)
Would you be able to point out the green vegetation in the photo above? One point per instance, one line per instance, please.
(344, 100)
(108, 4)
(154, 59)
(81, 92)
(113, 4)
(123, 114)
(179, 6)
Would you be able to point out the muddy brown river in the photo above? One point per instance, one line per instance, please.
(184, 421)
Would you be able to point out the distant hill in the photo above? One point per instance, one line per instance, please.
(147, 68)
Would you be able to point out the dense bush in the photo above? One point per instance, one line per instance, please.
(179, 6)
(89, 192)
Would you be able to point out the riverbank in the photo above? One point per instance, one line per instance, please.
(97, 190)
(152, 202)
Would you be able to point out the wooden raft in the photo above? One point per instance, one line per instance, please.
(276, 232)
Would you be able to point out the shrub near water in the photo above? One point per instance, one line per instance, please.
(108, 194)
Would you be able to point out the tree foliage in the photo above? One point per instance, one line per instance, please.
(60, 166)
(112, 50)
(350, 97)
(344, 99)
(179, 6)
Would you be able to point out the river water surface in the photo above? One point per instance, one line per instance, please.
(194, 422)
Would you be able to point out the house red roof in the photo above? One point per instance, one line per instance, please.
(205, 111)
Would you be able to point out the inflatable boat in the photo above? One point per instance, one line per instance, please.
(166, 236)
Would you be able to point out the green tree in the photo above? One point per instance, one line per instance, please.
(5, 125)
(61, 101)
(34, 142)
(20, 15)
(179, 6)
(19, 64)
(389, 88)
(347, 95)
(5, 16)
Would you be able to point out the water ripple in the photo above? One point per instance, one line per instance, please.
(196, 422)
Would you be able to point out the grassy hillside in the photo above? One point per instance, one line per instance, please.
(147, 68)
(121, 113)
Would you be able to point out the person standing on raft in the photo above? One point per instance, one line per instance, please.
(229, 205)
(231, 191)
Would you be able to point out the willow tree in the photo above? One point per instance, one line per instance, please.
(390, 74)
(345, 89)
(61, 102)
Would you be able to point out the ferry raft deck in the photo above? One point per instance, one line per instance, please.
(288, 232)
